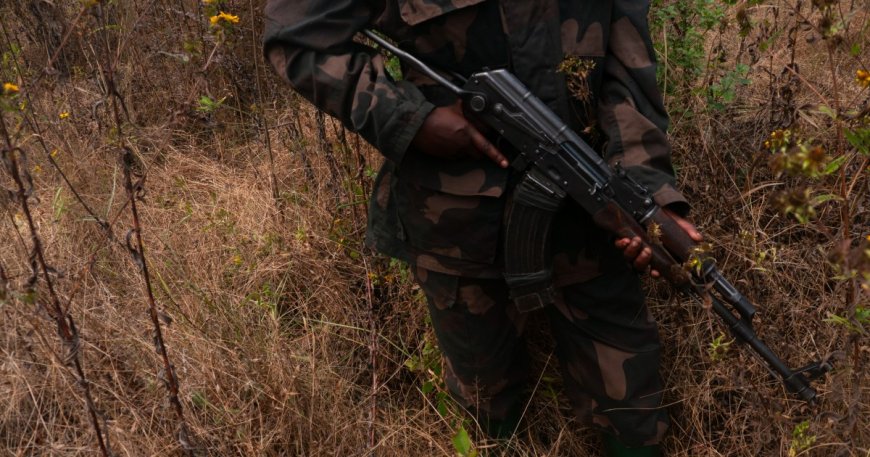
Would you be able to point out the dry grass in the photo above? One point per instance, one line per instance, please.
(269, 303)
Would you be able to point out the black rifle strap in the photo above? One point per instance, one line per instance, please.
(528, 255)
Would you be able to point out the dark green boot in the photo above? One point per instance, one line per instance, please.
(613, 448)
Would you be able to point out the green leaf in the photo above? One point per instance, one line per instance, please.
(59, 204)
(28, 298)
(835, 319)
(207, 104)
(199, 400)
(855, 51)
(462, 442)
(394, 68)
(840, 320)
(860, 139)
(819, 199)
(441, 404)
(802, 218)
(827, 110)
(834, 165)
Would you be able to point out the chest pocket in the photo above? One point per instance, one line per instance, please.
(414, 12)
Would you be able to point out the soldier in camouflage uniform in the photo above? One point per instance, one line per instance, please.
(440, 197)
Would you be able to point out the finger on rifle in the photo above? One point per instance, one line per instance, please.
(642, 260)
(485, 147)
(687, 226)
(632, 249)
(690, 229)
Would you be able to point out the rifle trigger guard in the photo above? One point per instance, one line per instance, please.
(815, 370)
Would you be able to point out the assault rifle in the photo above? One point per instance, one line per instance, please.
(557, 163)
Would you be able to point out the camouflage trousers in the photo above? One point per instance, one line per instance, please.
(607, 344)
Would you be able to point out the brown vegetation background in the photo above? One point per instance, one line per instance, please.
(287, 337)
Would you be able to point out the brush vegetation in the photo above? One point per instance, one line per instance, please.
(262, 326)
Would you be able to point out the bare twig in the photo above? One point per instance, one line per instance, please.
(273, 180)
(4, 283)
(66, 328)
(373, 354)
(136, 246)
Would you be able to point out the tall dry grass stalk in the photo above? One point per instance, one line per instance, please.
(281, 335)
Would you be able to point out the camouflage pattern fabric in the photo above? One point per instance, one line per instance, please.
(607, 345)
(594, 65)
(591, 62)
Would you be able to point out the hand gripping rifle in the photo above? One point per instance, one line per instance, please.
(556, 163)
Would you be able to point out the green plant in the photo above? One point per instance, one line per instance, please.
(59, 204)
(209, 105)
(394, 67)
(428, 365)
(856, 323)
(462, 443)
(724, 91)
(680, 28)
(719, 347)
(801, 439)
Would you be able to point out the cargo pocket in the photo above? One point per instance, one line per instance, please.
(414, 12)
(451, 208)
(440, 289)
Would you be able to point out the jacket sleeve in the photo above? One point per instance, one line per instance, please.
(310, 44)
(631, 108)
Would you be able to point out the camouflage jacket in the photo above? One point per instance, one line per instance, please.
(592, 62)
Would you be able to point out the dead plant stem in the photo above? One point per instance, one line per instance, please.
(260, 113)
(66, 327)
(137, 251)
(373, 354)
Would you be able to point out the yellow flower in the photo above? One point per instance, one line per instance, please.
(10, 88)
(779, 138)
(237, 260)
(208, 2)
(63, 115)
(37, 169)
(862, 77)
(53, 153)
(222, 16)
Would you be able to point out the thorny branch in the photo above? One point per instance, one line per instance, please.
(135, 245)
(66, 328)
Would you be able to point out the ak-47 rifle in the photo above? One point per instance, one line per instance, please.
(555, 162)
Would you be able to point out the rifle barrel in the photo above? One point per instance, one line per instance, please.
(413, 61)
